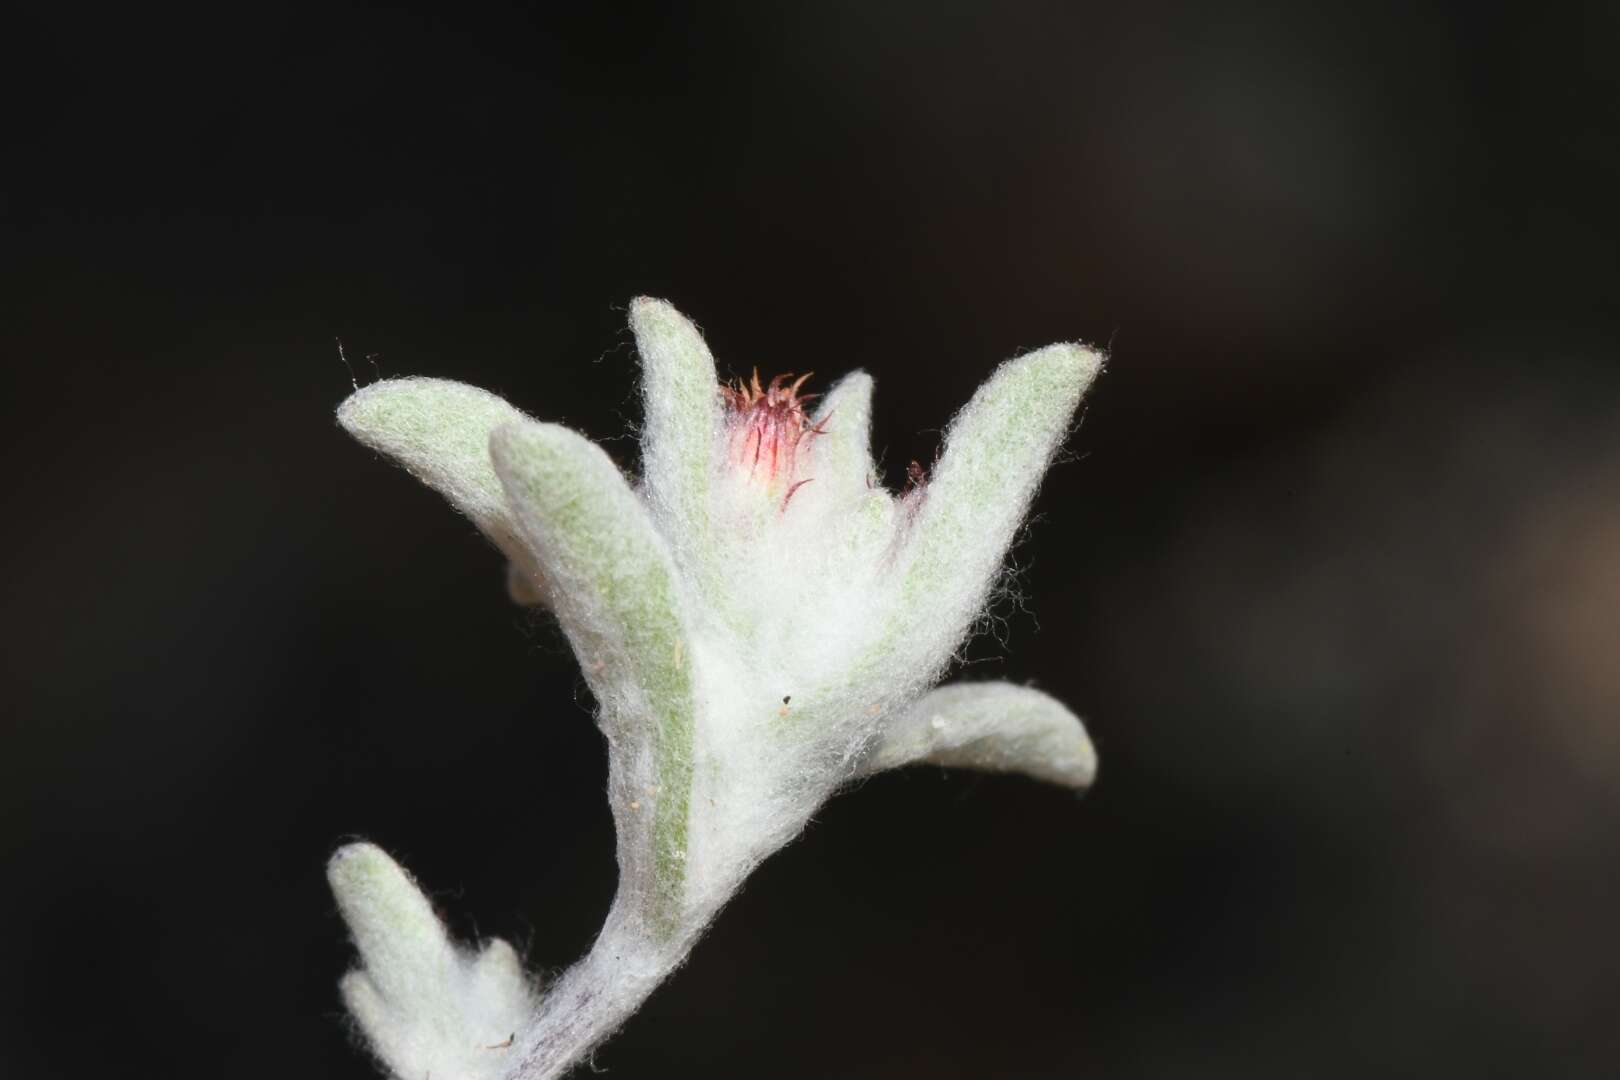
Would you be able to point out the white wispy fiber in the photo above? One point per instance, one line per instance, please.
(759, 621)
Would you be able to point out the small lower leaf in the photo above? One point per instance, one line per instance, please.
(996, 727)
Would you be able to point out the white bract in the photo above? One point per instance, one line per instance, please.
(759, 621)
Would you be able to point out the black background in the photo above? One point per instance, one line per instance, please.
(1333, 574)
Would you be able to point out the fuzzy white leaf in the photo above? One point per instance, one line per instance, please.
(439, 431)
(841, 456)
(681, 398)
(425, 1005)
(614, 590)
(994, 726)
(996, 451)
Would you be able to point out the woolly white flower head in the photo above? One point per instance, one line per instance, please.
(759, 621)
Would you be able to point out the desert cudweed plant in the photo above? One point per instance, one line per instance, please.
(759, 622)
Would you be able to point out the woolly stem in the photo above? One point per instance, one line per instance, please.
(600, 992)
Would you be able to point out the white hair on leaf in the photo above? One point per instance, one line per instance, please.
(427, 1005)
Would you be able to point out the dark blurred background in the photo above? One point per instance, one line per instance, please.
(1333, 573)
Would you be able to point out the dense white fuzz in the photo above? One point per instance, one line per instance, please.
(427, 1006)
(997, 727)
(439, 430)
(759, 622)
(841, 456)
(615, 594)
(681, 419)
(996, 451)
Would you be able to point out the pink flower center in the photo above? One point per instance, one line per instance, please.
(765, 425)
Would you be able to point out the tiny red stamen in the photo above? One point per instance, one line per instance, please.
(791, 490)
(766, 422)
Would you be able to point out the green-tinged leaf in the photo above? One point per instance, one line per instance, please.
(840, 453)
(683, 416)
(426, 1006)
(996, 451)
(439, 431)
(401, 941)
(996, 727)
(613, 588)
